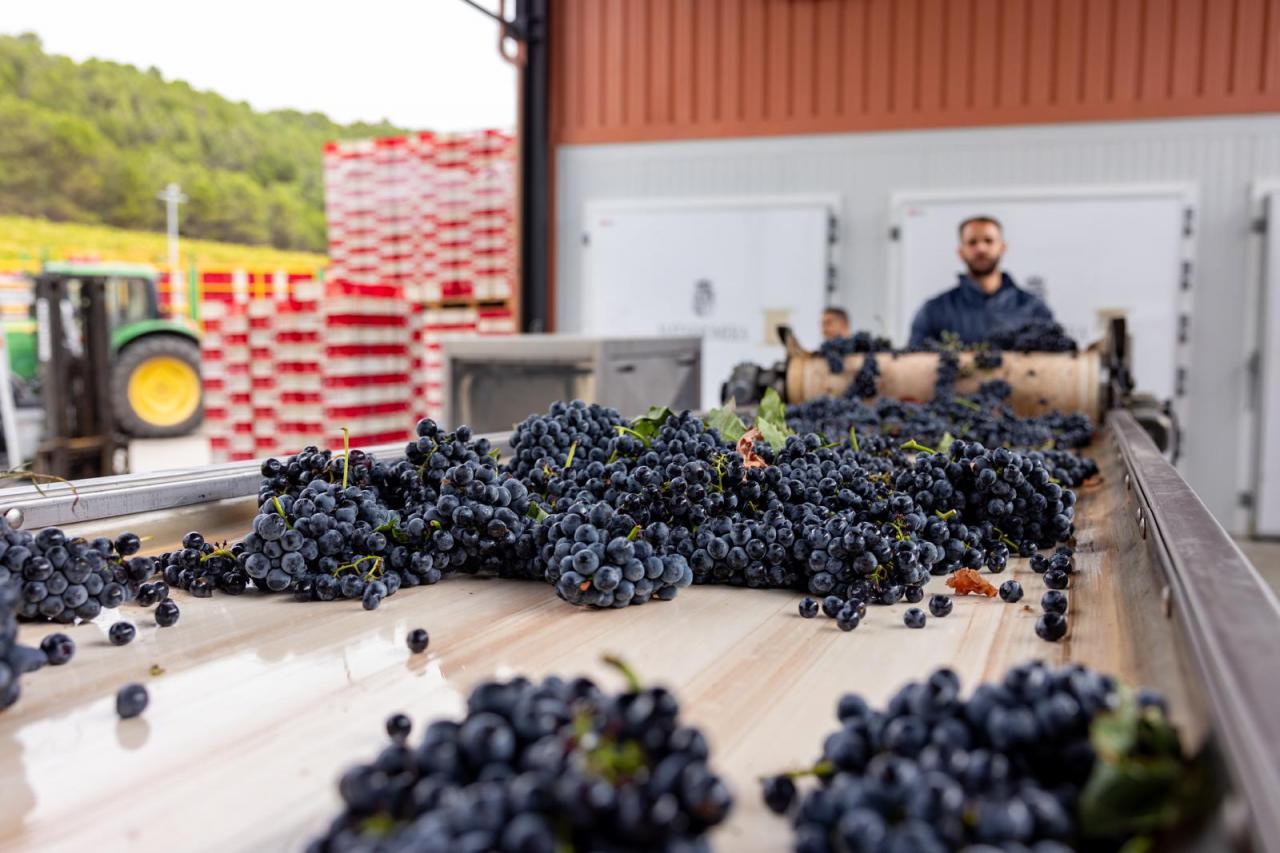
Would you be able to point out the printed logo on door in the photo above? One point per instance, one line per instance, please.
(704, 297)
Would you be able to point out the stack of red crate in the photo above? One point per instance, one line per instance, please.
(228, 386)
(366, 361)
(298, 361)
(430, 218)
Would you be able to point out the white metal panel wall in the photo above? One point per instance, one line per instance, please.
(727, 272)
(1220, 156)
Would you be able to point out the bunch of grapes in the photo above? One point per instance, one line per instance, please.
(1033, 336)
(537, 767)
(15, 660)
(63, 579)
(596, 556)
(835, 349)
(202, 567)
(934, 771)
(569, 430)
(327, 542)
(865, 384)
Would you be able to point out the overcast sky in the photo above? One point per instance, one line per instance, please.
(422, 64)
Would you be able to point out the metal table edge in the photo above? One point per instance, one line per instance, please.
(107, 497)
(1228, 615)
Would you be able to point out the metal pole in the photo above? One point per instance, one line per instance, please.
(535, 164)
(172, 197)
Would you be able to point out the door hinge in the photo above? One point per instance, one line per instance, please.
(1185, 282)
(1180, 386)
(1188, 221)
(895, 233)
(833, 230)
(1245, 499)
(1184, 324)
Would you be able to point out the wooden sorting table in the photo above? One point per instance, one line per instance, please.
(263, 701)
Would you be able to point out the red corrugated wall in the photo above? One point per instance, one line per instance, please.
(632, 70)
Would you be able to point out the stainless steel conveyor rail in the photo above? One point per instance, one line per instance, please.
(53, 503)
(1229, 619)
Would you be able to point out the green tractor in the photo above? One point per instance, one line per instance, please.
(155, 374)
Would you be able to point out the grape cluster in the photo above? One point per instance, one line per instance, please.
(588, 432)
(865, 384)
(327, 542)
(537, 767)
(348, 526)
(17, 660)
(934, 771)
(63, 579)
(199, 567)
(835, 349)
(1033, 336)
(596, 556)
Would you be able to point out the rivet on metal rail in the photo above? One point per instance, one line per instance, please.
(1128, 482)
(13, 517)
(1166, 599)
(1142, 524)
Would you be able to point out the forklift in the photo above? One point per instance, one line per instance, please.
(109, 366)
(74, 349)
(97, 362)
(154, 359)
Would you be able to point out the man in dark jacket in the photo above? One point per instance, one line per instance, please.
(986, 299)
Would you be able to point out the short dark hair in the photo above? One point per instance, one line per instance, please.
(981, 217)
(839, 312)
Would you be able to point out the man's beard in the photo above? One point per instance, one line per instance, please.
(985, 269)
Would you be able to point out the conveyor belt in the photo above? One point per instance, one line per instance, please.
(263, 701)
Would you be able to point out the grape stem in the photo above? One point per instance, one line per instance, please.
(633, 680)
(275, 499)
(822, 768)
(346, 455)
(917, 447)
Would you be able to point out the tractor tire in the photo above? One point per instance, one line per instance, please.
(155, 383)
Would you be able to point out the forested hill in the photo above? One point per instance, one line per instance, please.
(95, 141)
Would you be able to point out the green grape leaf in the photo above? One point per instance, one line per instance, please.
(646, 427)
(772, 409)
(536, 512)
(726, 422)
(774, 435)
(944, 446)
(1141, 782)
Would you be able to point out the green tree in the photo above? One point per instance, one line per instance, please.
(95, 141)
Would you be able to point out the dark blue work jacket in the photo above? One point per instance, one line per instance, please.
(973, 315)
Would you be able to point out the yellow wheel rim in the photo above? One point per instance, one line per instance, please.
(164, 391)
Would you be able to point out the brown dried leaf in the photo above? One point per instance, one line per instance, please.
(746, 446)
(966, 581)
